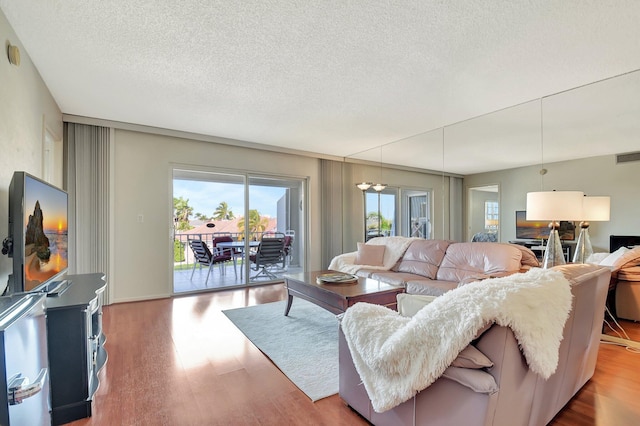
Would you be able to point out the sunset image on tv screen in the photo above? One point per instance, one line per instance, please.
(46, 233)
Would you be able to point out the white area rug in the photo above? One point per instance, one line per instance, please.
(303, 345)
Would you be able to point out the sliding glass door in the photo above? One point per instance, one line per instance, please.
(380, 213)
(416, 206)
(220, 219)
(279, 202)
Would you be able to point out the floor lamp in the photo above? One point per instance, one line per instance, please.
(593, 209)
(553, 206)
(363, 186)
(379, 187)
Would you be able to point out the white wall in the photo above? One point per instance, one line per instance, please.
(143, 184)
(26, 109)
(594, 176)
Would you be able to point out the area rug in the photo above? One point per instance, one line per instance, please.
(303, 345)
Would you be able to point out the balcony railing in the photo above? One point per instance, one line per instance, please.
(182, 254)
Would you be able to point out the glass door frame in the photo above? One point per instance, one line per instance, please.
(300, 235)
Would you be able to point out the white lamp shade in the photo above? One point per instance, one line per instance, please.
(596, 208)
(554, 205)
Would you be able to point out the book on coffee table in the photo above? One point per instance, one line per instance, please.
(336, 278)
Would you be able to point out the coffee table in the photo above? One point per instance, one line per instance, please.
(336, 298)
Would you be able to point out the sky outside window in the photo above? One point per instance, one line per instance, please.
(205, 197)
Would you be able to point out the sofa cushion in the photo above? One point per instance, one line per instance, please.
(410, 304)
(369, 254)
(529, 258)
(629, 274)
(429, 287)
(464, 259)
(393, 278)
(477, 380)
(471, 357)
(423, 257)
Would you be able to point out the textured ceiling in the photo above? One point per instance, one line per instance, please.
(330, 77)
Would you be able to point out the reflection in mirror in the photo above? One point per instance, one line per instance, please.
(483, 213)
(412, 169)
(601, 118)
(420, 209)
(422, 151)
(505, 139)
(596, 119)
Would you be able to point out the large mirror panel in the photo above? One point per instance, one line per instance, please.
(598, 119)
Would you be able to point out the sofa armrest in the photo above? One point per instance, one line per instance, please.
(343, 260)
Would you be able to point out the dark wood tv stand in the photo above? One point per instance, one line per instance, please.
(537, 246)
(75, 342)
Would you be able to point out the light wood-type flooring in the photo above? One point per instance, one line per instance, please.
(180, 361)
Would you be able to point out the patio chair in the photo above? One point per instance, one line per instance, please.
(485, 237)
(270, 253)
(228, 252)
(288, 242)
(203, 256)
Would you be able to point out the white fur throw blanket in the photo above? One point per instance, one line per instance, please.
(394, 249)
(398, 356)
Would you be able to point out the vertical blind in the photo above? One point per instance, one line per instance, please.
(87, 157)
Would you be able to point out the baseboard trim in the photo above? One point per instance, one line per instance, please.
(620, 341)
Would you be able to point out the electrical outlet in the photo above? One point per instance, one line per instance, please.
(140, 218)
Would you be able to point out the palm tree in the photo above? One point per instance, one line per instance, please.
(257, 224)
(202, 217)
(223, 212)
(182, 210)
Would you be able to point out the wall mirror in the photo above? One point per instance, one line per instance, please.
(602, 116)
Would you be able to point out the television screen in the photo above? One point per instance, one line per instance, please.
(539, 230)
(38, 229)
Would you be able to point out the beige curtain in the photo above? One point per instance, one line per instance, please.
(456, 193)
(331, 210)
(87, 156)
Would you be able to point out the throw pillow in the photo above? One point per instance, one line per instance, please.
(476, 380)
(369, 254)
(614, 257)
(629, 259)
(596, 258)
(410, 304)
(471, 357)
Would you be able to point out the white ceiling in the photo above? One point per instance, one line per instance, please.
(339, 78)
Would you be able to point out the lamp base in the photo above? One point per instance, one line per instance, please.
(553, 254)
(583, 246)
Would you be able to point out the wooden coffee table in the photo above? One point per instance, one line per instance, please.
(336, 298)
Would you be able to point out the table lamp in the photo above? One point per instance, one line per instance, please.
(554, 206)
(593, 209)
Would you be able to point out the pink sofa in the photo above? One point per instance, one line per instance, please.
(432, 267)
(522, 397)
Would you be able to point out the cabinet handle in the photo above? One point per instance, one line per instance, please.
(20, 388)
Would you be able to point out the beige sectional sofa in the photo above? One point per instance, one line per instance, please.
(432, 267)
(519, 396)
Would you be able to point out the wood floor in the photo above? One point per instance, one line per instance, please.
(181, 362)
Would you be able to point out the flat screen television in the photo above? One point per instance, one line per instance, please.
(539, 230)
(38, 234)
